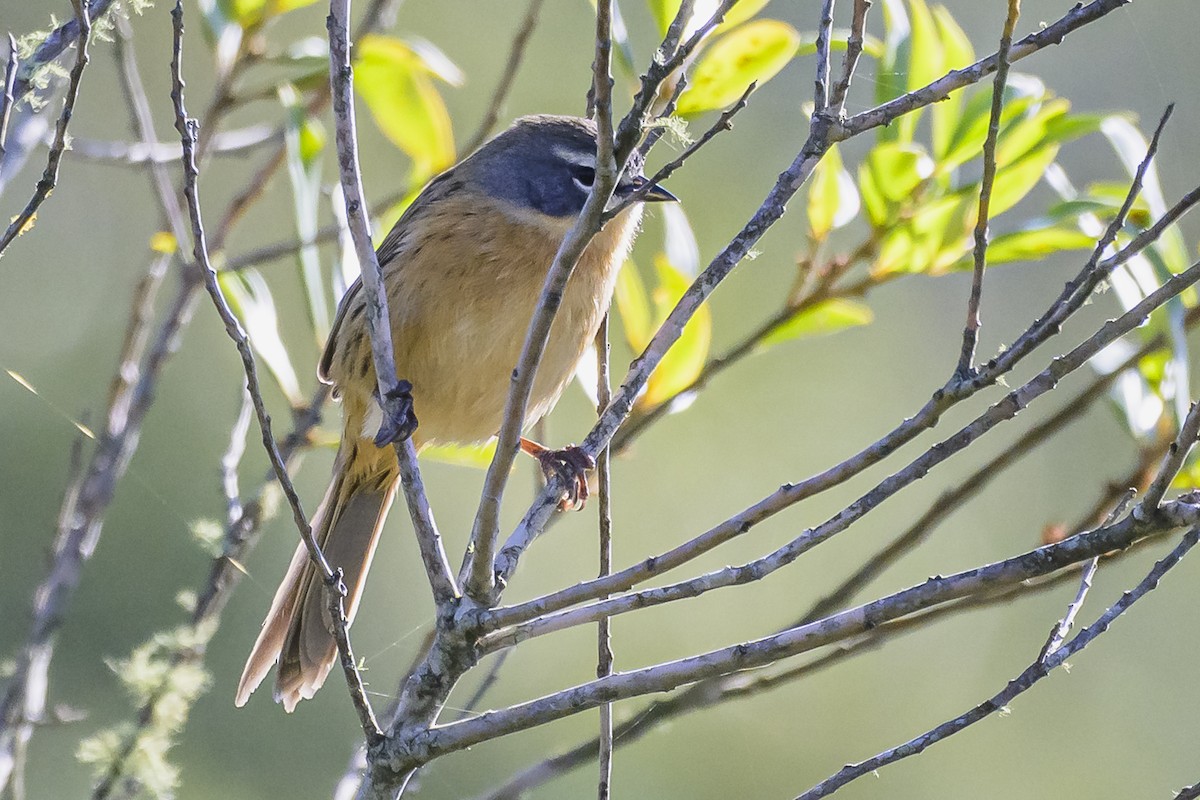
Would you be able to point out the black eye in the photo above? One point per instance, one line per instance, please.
(584, 176)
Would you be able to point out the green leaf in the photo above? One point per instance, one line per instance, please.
(1031, 245)
(832, 199)
(741, 12)
(889, 76)
(663, 11)
(476, 456)
(683, 363)
(756, 51)
(957, 53)
(251, 300)
(633, 304)
(968, 138)
(925, 62)
(1017, 180)
(395, 83)
(824, 318)
(898, 169)
(304, 141)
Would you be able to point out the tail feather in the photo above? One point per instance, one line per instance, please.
(296, 631)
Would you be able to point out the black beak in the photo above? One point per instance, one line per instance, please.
(656, 194)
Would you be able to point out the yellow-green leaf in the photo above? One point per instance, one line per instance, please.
(925, 61)
(404, 103)
(251, 299)
(958, 53)
(756, 51)
(1030, 245)
(1017, 180)
(827, 317)
(634, 307)
(477, 456)
(163, 242)
(683, 362)
(832, 199)
(898, 169)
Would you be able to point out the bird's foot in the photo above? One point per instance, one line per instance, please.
(399, 419)
(571, 464)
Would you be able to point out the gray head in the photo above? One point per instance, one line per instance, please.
(546, 164)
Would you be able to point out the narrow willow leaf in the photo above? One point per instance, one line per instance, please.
(683, 363)
(925, 62)
(476, 456)
(251, 299)
(399, 92)
(633, 304)
(1032, 245)
(824, 318)
(303, 143)
(756, 51)
(1017, 180)
(957, 53)
(898, 169)
(832, 199)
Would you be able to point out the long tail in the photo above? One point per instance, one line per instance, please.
(346, 525)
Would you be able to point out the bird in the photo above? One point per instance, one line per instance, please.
(462, 268)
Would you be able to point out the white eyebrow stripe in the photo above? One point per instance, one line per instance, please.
(579, 158)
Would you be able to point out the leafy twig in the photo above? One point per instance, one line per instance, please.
(49, 177)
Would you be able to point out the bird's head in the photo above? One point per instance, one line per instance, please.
(546, 164)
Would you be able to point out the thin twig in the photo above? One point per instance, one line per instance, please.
(7, 99)
(821, 82)
(1022, 683)
(480, 583)
(1003, 410)
(1189, 431)
(49, 177)
(392, 395)
(970, 338)
(604, 662)
(854, 48)
(1044, 560)
(516, 54)
(187, 129)
(723, 123)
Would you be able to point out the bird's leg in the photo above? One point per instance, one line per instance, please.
(571, 464)
(399, 419)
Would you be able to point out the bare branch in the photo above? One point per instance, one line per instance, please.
(424, 746)
(392, 393)
(604, 661)
(1003, 410)
(824, 30)
(480, 583)
(187, 129)
(49, 177)
(1022, 683)
(966, 358)
(1189, 431)
(854, 47)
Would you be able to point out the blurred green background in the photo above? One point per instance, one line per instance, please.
(1122, 722)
